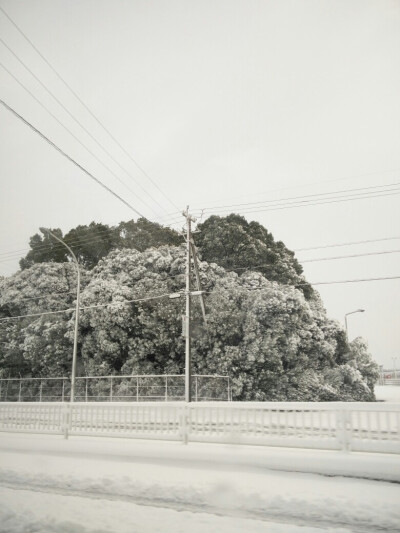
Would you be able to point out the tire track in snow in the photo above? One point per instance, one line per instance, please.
(313, 519)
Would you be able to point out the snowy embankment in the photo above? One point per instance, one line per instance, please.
(83, 485)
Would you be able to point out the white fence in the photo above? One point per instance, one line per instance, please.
(136, 388)
(391, 381)
(331, 426)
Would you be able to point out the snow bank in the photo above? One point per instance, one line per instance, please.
(87, 485)
(331, 463)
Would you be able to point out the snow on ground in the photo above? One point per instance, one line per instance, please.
(88, 485)
(387, 393)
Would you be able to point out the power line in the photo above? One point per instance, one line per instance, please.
(85, 240)
(84, 307)
(344, 244)
(86, 107)
(308, 203)
(354, 280)
(207, 292)
(18, 299)
(100, 234)
(304, 185)
(360, 280)
(315, 260)
(307, 196)
(70, 158)
(74, 136)
(291, 206)
(347, 256)
(83, 127)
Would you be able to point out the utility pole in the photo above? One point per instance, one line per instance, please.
(198, 282)
(188, 359)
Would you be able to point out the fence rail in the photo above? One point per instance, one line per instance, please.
(391, 381)
(149, 387)
(331, 426)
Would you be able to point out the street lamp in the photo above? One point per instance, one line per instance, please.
(74, 353)
(345, 320)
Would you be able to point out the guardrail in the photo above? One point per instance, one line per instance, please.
(332, 426)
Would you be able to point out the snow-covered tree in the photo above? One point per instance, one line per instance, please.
(38, 345)
(273, 341)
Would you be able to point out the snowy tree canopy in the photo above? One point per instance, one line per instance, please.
(273, 342)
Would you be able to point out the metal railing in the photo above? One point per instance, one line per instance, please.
(368, 427)
(149, 387)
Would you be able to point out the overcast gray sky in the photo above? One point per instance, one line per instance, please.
(221, 102)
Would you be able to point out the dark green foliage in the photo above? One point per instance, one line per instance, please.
(238, 245)
(95, 241)
(144, 234)
(45, 249)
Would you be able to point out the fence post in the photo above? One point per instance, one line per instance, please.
(166, 388)
(20, 387)
(137, 388)
(86, 390)
(229, 391)
(40, 390)
(343, 432)
(111, 388)
(185, 423)
(66, 415)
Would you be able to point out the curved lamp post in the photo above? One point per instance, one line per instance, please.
(74, 353)
(345, 320)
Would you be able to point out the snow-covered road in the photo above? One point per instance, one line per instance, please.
(88, 485)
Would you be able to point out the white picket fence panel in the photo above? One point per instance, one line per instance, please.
(370, 427)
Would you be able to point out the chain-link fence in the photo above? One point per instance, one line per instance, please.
(168, 387)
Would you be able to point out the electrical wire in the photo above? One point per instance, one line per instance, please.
(99, 182)
(84, 129)
(304, 185)
(86, 107)
(110, 304)
(307, 196)
(11, 256)
(310, 204)
(353, 280)
(347, 256)
(344, 244)
(75, 137)
(71, 309)
(307, 203)
(351, 243)
(17, 300)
